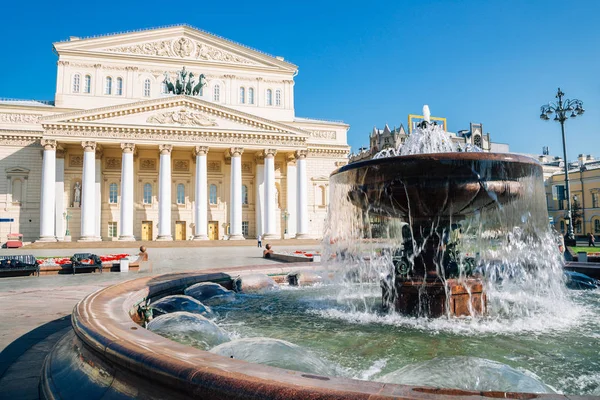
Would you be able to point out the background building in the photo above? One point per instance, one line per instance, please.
(165, 133)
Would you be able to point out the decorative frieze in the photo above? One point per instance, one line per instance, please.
(317, 134)
(184, 48)
(213, 166)
(147, 164)
(181, 117)
(20, 118)
(181, 165)
(112, 163)
(76, 160)
(19, 140)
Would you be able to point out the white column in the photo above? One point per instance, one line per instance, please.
(260, 195)
(48, 193)
(201, 202)
(59, 216)
(302, 196)
(270, 222)
(98, 194)
(235, 203)
(164, 193)
(292, 179)
(126, 217)
(88, 193)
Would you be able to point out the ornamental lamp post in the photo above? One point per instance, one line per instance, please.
(561, 110)
(285, 215)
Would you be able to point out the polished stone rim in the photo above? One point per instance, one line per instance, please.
(103, 323)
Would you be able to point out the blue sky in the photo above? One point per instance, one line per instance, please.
(368, 63)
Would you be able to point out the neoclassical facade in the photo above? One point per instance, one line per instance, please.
(166, 134)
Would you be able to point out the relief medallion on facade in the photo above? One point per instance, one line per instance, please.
(76, 160)
(113, 163)
(181, 117)
(183, 47)
(147, 164)
(213, 166)
(181, 165)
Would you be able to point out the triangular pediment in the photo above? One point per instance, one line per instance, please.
(173, 112)
(182, 43)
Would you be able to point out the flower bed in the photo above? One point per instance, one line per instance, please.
(67, 260)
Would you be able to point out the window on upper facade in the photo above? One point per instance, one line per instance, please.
(242, 95)
(147, 193)
(562, 226)
(597, 226)
(212, 196)
(278, 97)
(147, 88)
(112, 193)
(561, 204)
(269, 99)
(217, 93)
(119, 90)
(245, 225)
(250, 95)
(244, 194)
(108, 85)
(112, 229)
(594, 200)
(76, 83)
(87, 88)
(180, 194)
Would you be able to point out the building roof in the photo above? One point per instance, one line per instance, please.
(22, 102)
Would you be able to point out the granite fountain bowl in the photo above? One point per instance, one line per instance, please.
(438, 185)
(109, 354)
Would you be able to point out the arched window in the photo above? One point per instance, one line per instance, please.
(212, 197)
(108, 86)
(147, 193)
(250, 95)
(242, 95)
(180, 194)
(147, 88)
(269, 97)
(244, 194)
(597, 225)
(76, 83)
(217, 93)
(112, 193)
(87, 87)
(278, 97)
(119, 86)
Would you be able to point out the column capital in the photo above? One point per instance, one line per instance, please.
(200, 150)
(48, 144)
(165, 148)
(88, 146)
(236, 151)
(270, 153)
(99, 152)
(301, 154)
(128, 147)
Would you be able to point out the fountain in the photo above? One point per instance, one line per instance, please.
(461, 236)
(432, 191)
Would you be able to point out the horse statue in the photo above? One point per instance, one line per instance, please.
(199, 86)
(190, 84)
(168, 84)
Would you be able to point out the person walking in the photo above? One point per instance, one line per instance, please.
(591, 240)
(259, 240)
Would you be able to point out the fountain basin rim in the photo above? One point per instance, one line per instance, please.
(455, 156)
(103, 322)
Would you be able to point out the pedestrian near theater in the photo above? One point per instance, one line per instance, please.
(259, 238)
(268, 251)
(591, 240)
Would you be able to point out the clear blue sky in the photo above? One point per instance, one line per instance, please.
(368, 63)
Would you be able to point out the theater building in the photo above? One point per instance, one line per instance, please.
(166, 134)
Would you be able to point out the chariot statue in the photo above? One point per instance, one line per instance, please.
(185, 83)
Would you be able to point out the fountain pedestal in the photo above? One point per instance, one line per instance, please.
(435, 298)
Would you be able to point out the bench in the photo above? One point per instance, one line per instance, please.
(24, 262)
(86, 261)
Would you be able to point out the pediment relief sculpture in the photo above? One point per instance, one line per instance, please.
(181, 117)
(184, 48)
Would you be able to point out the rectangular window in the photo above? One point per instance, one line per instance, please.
(147, 193)
(595, 200)
(561, 204)
(112, 193)
(112, 229)
(245, 228)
